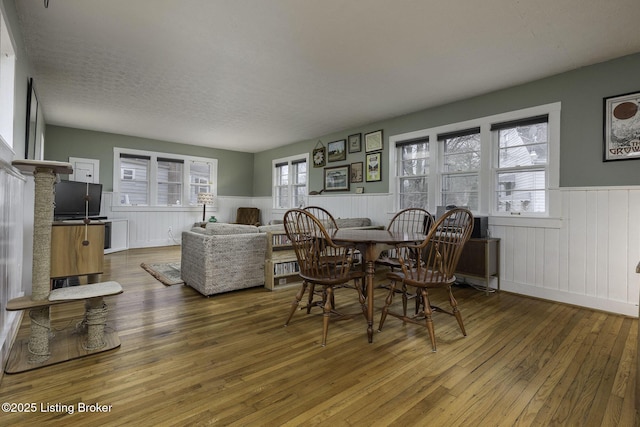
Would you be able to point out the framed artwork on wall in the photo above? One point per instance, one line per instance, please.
(356, 172)
(337, 150)
(374, 167)
(355, 143)
(373, 141)
(622, 127)
(336, 178)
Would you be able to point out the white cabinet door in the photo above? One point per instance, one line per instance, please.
(85, 170)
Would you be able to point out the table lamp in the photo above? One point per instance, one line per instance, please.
(205, 199)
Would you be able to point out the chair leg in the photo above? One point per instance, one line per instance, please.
(296, 302)
(427, 314)
(361, 297)
(388, 301)
(404, 299)
(456, 312)
(326, 315)
(312, 290)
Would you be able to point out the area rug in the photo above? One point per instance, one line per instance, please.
(167, 273)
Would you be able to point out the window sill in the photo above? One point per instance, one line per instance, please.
(526, 221)
(162, 208)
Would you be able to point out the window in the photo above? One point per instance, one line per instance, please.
(170, 178)
(200, 174)
(521, 173)
(134, 179)
(290, 181)
(460, 168)
(413, 167)
(507, 164)
(7, 76)
(160, 179)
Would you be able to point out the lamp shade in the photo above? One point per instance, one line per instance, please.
(205, 198)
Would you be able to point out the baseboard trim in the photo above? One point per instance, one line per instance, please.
(586, 301)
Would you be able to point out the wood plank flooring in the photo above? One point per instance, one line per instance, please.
(227, 360)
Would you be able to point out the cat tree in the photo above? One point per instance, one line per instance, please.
(42, 348)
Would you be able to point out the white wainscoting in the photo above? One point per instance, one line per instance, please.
(149, 227)
(12, 213)
(587, 257)
(373, 206)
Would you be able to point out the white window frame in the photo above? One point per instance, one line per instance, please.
(7, 82)
(497, 170)
(290, 160)
(398, 167)
(153, 173)
(488, 152)
(442, 138)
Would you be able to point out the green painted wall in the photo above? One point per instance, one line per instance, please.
(235, 169)
(581, 92)
(243, 174)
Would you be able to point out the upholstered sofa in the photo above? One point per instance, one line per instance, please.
(223, 257)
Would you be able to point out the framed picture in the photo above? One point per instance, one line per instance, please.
(373, 141)
(355, 143)
(356, 172)
(336, 178)
(337, 150)
(374, 167)
(622, 127)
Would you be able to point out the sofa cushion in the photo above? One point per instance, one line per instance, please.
(272, 228)
(352, 222)
(215, 228)
(340, 222)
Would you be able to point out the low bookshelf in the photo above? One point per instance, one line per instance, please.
(281, 265)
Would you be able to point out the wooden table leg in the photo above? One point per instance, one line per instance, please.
(370, 257)
(369, 283)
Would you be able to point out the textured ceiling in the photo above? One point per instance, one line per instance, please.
(250, 75)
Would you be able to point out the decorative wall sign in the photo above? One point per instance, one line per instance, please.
(355, 143)
(374, 167)
(337, 150)
(336, 178)
(373, 141)
(319, 155)
(622, 127)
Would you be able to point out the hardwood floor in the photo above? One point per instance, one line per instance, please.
(227, 360)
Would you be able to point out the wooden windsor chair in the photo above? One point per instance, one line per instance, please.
(322, 263)
(410, 220)
(439, 255)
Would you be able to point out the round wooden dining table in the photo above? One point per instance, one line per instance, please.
(371, 243)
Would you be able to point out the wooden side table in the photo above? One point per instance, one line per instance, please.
(480, 259)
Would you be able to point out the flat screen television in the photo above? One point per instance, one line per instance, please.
(70, 200)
